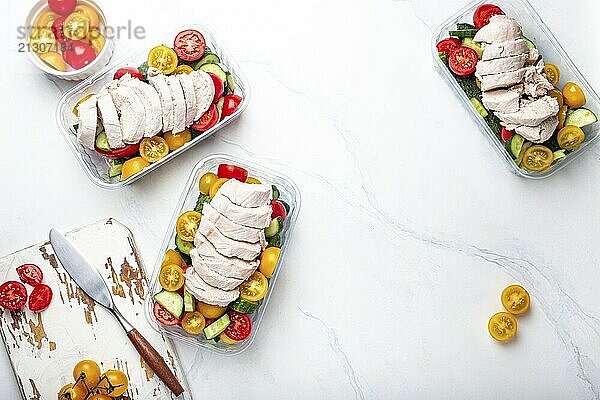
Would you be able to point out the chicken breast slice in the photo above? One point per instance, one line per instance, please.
(231, 229)
(205, 92)
(246, 194)
(532, 114)
(503, 100)
(540, 133)
(88, 122)
(225, 266)
(496, 50)
(151, 100)
(159, 82)
(132, 114)
(229, 247)
(187, 84)
(500, 29)
(500, 65)
(536, 83)
(179, 110)
(257, 217)
(504, 80)
(110, 119)
(209, 272)
(206, 293)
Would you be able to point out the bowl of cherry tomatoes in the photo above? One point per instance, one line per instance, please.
(67, 39)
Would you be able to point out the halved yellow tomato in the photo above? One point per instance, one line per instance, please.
(171, 277)
(210, 311)
(562, 116)
(172, 257)
(97, 40)
(552, 73)
(570, 137)
(226, 339)
(132, 167)
(183, 69)
(268, 261)
(76, 26)
(187, 225)
(153, 149)
(90, 13)
(515, 299)
(216, 186)
(76, 108)
(502, 326)
(255, 287)
(54, 60)
(193, 323)
(253, 181)
(163, 58)
(46, 19)
(538, 158)
(573, 95)
(42, 40)
(177, 140)
(206, 182)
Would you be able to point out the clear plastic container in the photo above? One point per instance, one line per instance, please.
(95, 165)
(552, 52)
(289, 193)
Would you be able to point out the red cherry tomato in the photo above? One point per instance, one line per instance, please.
(232, 172)
(506, 134)
(219, 86)
(278, 210)
(163, 316)
(62, 7)
(134, 72)
(31, 274)
(40, 298)
(190, 45)
(57, 29)
(449, 44)
(13, 295)
(207, 120)
(240, 326)
(463, 61)
(484, 13)
(231, 103)
(125, 152)
(79, 54)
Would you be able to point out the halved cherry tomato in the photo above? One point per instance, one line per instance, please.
(132, 167)
(46, 19)
(58, 30)
(268, 261)
(193, 322)
(163, 316)
(97, 41)
(552, 73)
(172, 257)
(231, 103)
(240, 326)
(216, 186)
(62, 7)
(125, 152)
(232, 172)
(502, 326)
(254, 288)
(183, 69)
(206, 182)
(76, 26)
(538, 158)
(190, 45)
(54, 60)
(448, 44)
(187, 225)
(515, 299)
(31, 274)
(570, 137)
(79, 54)
(42, 40)
(278, 210)
(506, 134)
(90, 14)
(163, 58)
(219, 86)
(573, 95)
(76, 108)
(134, 72)
(153, 149)
(463, 61)
(13, 295)
(171, 277)
(207, 120)
(72, 392)
(562, 116)
(253, 181)
(484, 13)
(226, 339)
(177, 140)
(40, 298)
(211, 312)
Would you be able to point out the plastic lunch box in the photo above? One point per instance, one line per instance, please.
(289, 193)
(536, 30)
(96, 166)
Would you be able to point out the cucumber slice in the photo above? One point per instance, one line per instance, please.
(461, 26)
(102, 141)
(276, 192)
(479, 107)
(208, 58)
(559, 155)
(514, 145)
(215, 69)
(217, 327)
(581, 117)
(115, 168)
(202, 200)
(274, 241)
(230, 82)
(286, 205)
(183, 246)
(443, 57)
(189, 302)
(275, 227)
(244, 306)
(171, 301)
(464, 33)
(519, 159)
(468, 42)
(530, 44)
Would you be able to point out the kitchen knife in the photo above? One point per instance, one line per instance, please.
(91, 282)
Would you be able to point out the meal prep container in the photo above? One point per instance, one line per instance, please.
(95, 165)
(289, 193)
(551, 51)
(101, 60)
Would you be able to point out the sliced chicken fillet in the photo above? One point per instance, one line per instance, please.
(231, 229)
(205, 92)
(226, 266)
(247, 195)
(206, 293)
(159, 82)
(209, 272)
(88, 122)
(178, 98)
(187, 84)
(110, 119)
(500, 29)
(151, 100)
(540, 133)
(500, 65)
(257, 217)
(492, 51)
(229, 247)
(532, 114)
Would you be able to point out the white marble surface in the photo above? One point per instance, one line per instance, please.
(411, 224)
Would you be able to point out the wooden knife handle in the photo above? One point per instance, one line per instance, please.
(155, 361)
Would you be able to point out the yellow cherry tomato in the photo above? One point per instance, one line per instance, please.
(210, 311)
(552, 73)
(76, 108)
(177, 140)
(226, 339)
(42, 40)
(153, 149)
(97, 40)
(183, 69)
(268, 261)
(255, 287)
(99, 397)
(193, 323)
(515, 299)
(76, 26)
(87, 371)
(206, 182)
(502, 326)
(187, 225)
(253, 181)
(54, 60)
(72, 392)
(538, 158)
(570, 137)
(163, 58)
(90, 13)
(117, 382)
(573, 95)
(562, 116)
(46, 19)
(216, 186)
(557, 94)
(172, 257)
(171, 277)
(133, 166)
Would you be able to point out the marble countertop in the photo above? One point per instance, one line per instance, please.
(411, 225)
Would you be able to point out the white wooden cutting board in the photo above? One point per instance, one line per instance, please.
(44, 347)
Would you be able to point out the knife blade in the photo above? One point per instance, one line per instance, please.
(91, 282)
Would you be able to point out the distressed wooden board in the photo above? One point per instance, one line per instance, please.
(44, 348)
